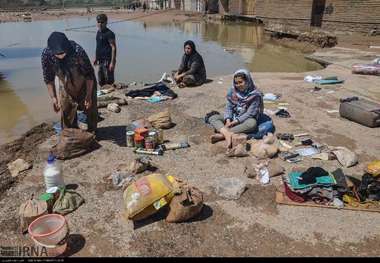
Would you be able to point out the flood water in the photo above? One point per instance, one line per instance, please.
(144, 53)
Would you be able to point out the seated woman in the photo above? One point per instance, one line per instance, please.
(192, 71)
(243, 110)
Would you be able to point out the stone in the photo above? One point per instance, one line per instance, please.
(113, 107)
(18, 166)
(230, 188)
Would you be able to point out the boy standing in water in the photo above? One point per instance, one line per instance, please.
(105, 56)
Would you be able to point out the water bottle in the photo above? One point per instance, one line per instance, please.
(53, 173)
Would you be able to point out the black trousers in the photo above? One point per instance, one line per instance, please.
(104, 75)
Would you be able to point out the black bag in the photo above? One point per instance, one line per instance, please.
(361, 111)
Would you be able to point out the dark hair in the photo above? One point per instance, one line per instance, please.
(191, 44)
(241, 75)
(101, 18)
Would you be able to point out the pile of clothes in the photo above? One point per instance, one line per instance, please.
(155, 93)
(314, 184)
(335, 188)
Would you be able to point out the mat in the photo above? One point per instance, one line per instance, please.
(282, 199)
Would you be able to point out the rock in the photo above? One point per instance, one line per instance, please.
(18, 166)
(113, 107)
(230, 188)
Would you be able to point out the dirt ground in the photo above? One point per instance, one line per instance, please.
(254, 225)
(156, 16)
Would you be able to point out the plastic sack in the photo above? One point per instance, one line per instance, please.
(146, 196)
(345, 157)
(31, 210)
(373, 168)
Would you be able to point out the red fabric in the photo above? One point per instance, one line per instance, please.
(292, 195)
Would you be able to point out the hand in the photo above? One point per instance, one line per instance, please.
(88, 102)
(56, 105)
(227, 124)
(231, 124)
(111, 67)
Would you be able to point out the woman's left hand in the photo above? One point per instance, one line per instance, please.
(232, 124)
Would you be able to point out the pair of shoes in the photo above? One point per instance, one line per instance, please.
(283, 114)
(285, 136)
(208, 115)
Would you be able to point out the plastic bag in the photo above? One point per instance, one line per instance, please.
(31, 210)
(373, 168)
(146, 196)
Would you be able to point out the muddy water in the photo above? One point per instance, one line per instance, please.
(144, 53)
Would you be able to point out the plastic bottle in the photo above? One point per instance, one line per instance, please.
(53, 173)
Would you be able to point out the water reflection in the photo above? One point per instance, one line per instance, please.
(14, 113)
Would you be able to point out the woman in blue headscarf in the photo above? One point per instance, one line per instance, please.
(243, 110)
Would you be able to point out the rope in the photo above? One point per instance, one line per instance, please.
(119, 21)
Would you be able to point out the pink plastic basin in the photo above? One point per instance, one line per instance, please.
(49, 229)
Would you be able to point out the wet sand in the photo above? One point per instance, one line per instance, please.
(251, 226)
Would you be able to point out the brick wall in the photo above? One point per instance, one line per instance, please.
(351, 15)
(291, 16)
(235, 7)
(339, 15)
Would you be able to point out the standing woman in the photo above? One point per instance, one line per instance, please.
(77, 83)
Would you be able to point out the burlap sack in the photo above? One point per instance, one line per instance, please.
(29, 211)
(265, 148)
(185, 205)
(73, 143)
(161, 120)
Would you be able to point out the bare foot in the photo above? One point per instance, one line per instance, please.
(216, 138)
(229, 141)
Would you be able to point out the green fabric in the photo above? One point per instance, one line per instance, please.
(67, 202)
(322, 180)
(46, 196)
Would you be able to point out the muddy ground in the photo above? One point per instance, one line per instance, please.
(254, 225)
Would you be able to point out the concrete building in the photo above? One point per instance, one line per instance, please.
(157, 4)
(329, 15)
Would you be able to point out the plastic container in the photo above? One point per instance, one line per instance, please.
(139, 141)
(53, 173)
(130, 138)
(52, 251)
(49, 230)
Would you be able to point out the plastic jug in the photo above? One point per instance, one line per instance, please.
(53, 173)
